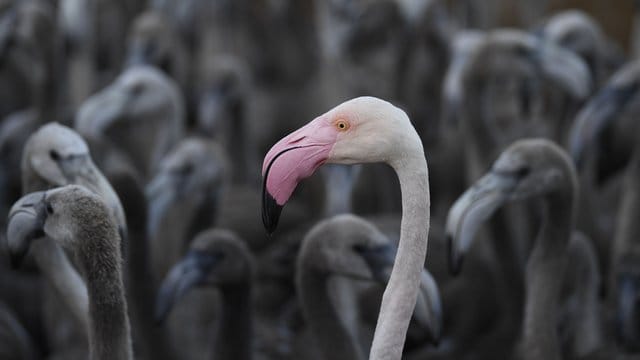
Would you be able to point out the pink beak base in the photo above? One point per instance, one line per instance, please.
(295, 157)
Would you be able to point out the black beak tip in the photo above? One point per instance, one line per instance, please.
(379, 276)
(455, 266)
(159, 316)
(158, 321)
(163, 305)
(432, 336)
(434, 340)
(455, 259)
(16, 259)
(379, 259)
(627, 318)
(577, 155)
(270, 212)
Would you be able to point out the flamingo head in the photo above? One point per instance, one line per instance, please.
(361, 130)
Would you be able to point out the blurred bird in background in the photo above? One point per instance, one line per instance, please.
(461, 179)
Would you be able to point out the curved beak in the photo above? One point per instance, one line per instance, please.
(428, 310)
(7, 32)
(380, 260)
(161, 193)
(452, 92)
(89, 176)
(628, 312)
(564, 68)
(101, 110)
(210, 111)
(191, 271)
(26, 222)
(465, 44)
(596, 116)
(295, 157)
(472, 209)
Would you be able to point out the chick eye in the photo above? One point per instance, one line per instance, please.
(54, 155)
(185, 170)
(342, 125)
(137, 88)
(49, 209)
(522, 172)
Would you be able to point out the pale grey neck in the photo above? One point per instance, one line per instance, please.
(628, 226)
(234, 339)
(91, 178)
(109, 194)
(334, 340)
(400, 296)
(65, 280)
(587, 334)
(635, 34)
(109, 331)
(480, 150)
(238, 136)
(544, 276)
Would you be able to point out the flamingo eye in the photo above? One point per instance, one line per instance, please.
(342, 125)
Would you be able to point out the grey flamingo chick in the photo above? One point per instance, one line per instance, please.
(533, 168)
(56, 156)
(349, 247)
(216, 258)
(141, 100)
(80, 221)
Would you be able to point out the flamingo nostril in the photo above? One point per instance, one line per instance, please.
(296, 140)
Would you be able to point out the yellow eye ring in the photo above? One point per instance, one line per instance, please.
(342, 125)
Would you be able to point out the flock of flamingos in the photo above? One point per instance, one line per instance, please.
(316, 179)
